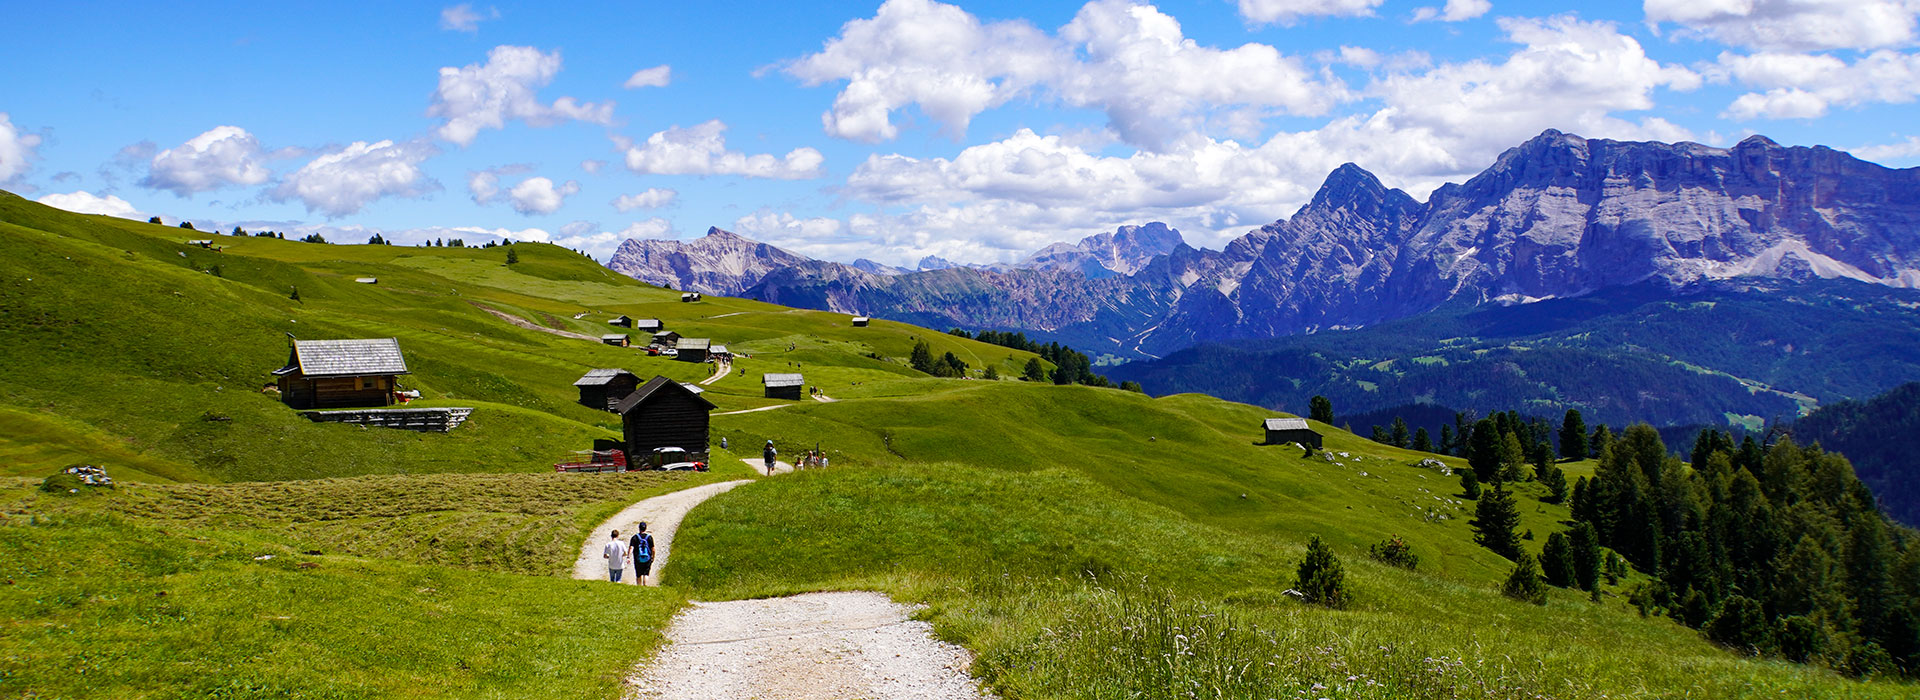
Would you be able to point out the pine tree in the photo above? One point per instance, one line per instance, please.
(1446, 439)
(1483, 450)
(1494, 521)
(1742, 625)
(1601, 439)
(1556, 482)
(1556, 561)
(1399, 437)
(993, 372)
(922, 358)
(1421, 441)
(1320, 409)
(1584, 548)
(1573, 436)
(1319, 577)
(1133, 386)
(1512, 458)
(1034, 372)
(153, 219)
(1524, 583)
(513, 256)
(1469, 485)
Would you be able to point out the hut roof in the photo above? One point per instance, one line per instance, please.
(695, 388)
(346, 358)
(654, 386)
(783, 379)
(646, 324)
(861, 319)
(666, 334)
(601, 377)
(367, 280)
(614, 336)
(695, 343)
(718, 350)
(1288, 424)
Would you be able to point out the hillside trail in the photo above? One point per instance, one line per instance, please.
(720, 370)
(755, 410)
(824, 646)
(529, 325)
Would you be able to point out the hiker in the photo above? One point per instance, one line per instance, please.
(768, 454)
(642, 547)
(616, 556)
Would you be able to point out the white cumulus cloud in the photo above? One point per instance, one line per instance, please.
(539, 195)
(463, 18)
(1903, 150)
(652, 198)
(702, 150)
(341, 182)
(486, 96)
(656, 76)
(223, 156)
(1453, 11)
(1287, 11)
(16, 150)
(1806, 86)
(83, 202)
(1790, 25)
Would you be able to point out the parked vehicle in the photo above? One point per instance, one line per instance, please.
(674, 459)
(593, 461)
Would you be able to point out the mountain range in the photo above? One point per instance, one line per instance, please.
(1558, 216)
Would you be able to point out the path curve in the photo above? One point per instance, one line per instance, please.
(662, 514)
(760, 465)
(755, 410)
(856, 644)
(720, 369)
(529, 325)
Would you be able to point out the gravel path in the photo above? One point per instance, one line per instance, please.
(720, 369)
(755, 410)
(529, 325)
(760, 465)
(662, 515)
(816, 645)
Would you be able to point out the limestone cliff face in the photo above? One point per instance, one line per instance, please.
(1557, 216)
(720, 262)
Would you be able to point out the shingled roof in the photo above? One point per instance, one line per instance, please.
(695, 343)
(653, 386)
(345, 358)
(782, 379)
(1288, 424)
(601, 377)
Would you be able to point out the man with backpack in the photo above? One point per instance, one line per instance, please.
(642, 548)
(768, 454)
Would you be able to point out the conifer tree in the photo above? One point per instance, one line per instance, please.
(1600, 440)
(922, 358)
(1446, 439)
(1573, 435)
(1321, 409)
(1513, 458)
(1524, 583)
(1319, 577)
(1469, 485)
(513, 256)
(1483, 450)
(1556, 561)
(1555, 480)
(1034, 372)
(1494, 520)
(1421, 441)
(1399, 437)
(1584, 549)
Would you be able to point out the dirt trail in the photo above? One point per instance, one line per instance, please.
(755, 410)
(720, 369)
(817, 645)
(760, 465)
(529, 325)
(662, 514)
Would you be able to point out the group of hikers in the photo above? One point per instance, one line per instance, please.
(636, 550)
(810, 459)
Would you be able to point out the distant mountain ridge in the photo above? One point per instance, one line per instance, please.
(1558, 216)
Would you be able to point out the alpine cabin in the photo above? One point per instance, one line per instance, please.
(861, 321)
(784, 385)
(663, 413)
(1281, 431)
(602, 389)
(619, 339)
(647, 325)
(355, 373)
(666, 339)
(622, 321)
(690, 296)
(693, 349)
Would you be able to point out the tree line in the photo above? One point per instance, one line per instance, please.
(1070, 366)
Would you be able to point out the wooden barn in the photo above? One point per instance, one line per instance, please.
(1281, 431)
(622, 321)
(664, 413)
(619, 339)
(602, 389)
(355, 373)
(861, 321)
(693, 349)
(784, 385)
(666, 339)
(648, 325)
(690, 296)
(720, 352)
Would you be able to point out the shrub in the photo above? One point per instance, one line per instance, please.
(1741, 625)
(1395, 551)
(1800, 638)
(1319, 578)
(1469, 485)
(1524, 583)
(61, 483)
(1556, 561)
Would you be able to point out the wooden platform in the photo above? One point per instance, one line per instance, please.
(426, 420)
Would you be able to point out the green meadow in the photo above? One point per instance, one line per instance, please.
(1083, 542)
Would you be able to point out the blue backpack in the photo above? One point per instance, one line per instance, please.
(643, 548)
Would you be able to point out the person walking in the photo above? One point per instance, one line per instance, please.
(641, 547)
(616, 555)
(768, 455)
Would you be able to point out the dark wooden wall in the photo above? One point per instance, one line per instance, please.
(606, 397)
(336, 392)
(1304, 437)
(666, 419)
(791, 393)
(691, 355)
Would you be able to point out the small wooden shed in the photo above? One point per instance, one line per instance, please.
(622, 321)
(664, 413)
(602, 389)
(783, 385)
(861, 321)
(690, 296)
(694, 349)
(619, 339)
(666, 339)
(367, 280)
(648, 325)
(1281, 431)
(351, 373)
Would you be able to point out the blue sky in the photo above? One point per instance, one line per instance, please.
(978, 132)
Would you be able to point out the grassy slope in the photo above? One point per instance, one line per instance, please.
(943, 486)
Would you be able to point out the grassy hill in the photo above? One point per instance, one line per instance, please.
(1085, 542)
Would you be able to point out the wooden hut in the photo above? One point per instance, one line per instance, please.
(690, 296)
(694, 349)
(354, 373)
(783, 385)
(619, 339)
(666, 339)
(663, 413)
(647, 325)
(861, 321)
(1281, 431)
(622, 321)
(602, 389)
